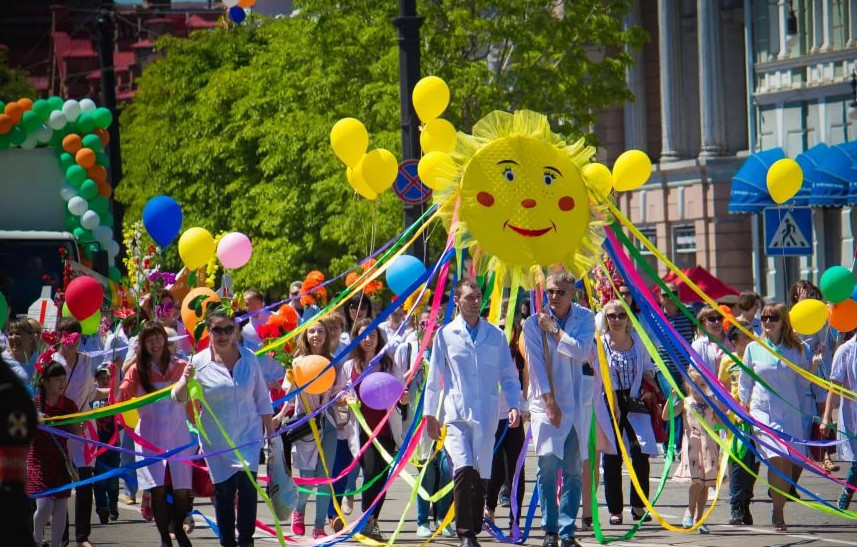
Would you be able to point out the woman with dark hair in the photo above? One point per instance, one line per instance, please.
(163, 425)
(359, 307)
(235, 389)
(773, 410)
(48, 461)
(372, 462)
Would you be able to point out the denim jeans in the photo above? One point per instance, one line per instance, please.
(130, 480)
(678, 421)
(741, 482)
(224, 509)
(322, 502)
(438, 475)
(852, 474)
(560, 520)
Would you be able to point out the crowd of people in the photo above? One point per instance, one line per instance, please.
(475, 386)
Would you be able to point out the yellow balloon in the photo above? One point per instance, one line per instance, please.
(436, 170)
(599, 177)
(431, 97)
(808, 316)
(349, 140)
(438, 136)
(196, 247)
(378, 169)
(785, 177)
(132, 418)
(360, 185)
(631, 170)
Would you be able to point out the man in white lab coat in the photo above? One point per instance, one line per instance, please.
(470, 358)
(567, 330)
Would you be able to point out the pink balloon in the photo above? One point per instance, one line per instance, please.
(234, 250)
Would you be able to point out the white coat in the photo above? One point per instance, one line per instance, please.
(567, 358)
(468, 374)
(844, 372)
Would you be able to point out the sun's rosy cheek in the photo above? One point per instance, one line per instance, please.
(485, 199)
(566, 203)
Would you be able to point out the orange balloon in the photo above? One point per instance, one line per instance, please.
(72, 143)
(14, 111)
(85, 158)
(308, 367)
(843, 315)
(104, 189)
(191, 317)
(97, 173)
(246, 3)
(6, 123)
(26, 104)
(103, 135)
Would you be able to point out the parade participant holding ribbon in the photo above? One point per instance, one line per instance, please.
(779, 411)
(470, 358)
(163, 425)
(305, 455)
(708, 344)
(558, 342)
(629, 365)
(233, 386)
(844, 373)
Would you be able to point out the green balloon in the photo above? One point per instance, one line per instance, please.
(42, 109)
(837, 284)
(30, 120)
(106, 219)
(102, 159)
(4, 310)
(5, 142)
(114, 274)
(99, 204)
(90, 325)
(75, 175)
(2, 106)
(90, 249)
(55, 102)
(17, 135)
(79, 232)
(65, 311)
(72, 224)
(92, 141)
(56, 140)
(66, 161)
(103, 117)
(85, 123)
(88, 189)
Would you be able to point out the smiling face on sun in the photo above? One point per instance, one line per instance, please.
(524, 201)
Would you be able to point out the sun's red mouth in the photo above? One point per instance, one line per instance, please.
(530, 233)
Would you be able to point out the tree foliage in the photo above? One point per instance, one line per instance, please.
(13, 82)
(233, 122)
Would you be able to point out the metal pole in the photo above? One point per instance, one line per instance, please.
(408, 24)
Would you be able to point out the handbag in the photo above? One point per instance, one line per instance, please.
(817, 452)
(635, 405)
(201, 483)
(301, 432)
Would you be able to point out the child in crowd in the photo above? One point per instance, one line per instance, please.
(107, 490)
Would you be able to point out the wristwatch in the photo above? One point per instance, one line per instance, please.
(555, 329)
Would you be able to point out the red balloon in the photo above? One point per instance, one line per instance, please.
(84, 296)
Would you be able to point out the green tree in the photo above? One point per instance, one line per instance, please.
(13, 82)
(233, 123)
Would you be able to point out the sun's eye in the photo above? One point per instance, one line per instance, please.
(548, 177)
(509, 174)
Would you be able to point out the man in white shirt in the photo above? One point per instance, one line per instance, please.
(469, 359)
(558, 342)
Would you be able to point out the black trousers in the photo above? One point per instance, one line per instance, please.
(741, 482)
(373, 464)
(83, 497)
(469, 496)
(613, 464)
(503, 466)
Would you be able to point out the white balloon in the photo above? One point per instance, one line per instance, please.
(89, 220)
(71, 109)
(112, 249)
(87, 105)
(67, 192)
(230, 3)
(30, 142)
(44, 134)
(57, 119)
(77, 206)
(103, 234)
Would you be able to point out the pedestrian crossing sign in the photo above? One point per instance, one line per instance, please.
(788, 231)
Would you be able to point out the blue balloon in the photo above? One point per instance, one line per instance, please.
(854, 293)
(162, 217)
(404, 270)
(237, 14)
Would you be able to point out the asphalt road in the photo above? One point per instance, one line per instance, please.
(806, 527)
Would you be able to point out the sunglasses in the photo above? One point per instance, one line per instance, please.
(623, 294)
(222, 331)
(556, 292)
(617, 316)
(771, 318)
(714, 319)
(664, 295)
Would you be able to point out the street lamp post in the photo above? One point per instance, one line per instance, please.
(408, 24)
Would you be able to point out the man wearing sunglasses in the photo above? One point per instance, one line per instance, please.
(684, 326)
(558, 342)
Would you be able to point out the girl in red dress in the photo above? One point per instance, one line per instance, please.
(48, 459)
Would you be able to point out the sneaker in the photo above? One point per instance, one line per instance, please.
(703, 529)
(318, 533)
(130, 500)
(845, 498)
(298, 527)
(146, 513)
(348, 505)
(336, 524)
(504, 500)
(551, 540)
(114, 515)
(448, 532)
(103, 514)
(736, 515)
(748, 517)
(423, 531)
(687, 521)
(373, 531)
(570, 542)
(585, 524)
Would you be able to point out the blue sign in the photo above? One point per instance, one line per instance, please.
(788, 231)
(408, 186)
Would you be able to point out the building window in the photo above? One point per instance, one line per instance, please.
(650, 233)
(684, 246)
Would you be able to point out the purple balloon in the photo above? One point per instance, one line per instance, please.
(380, 390)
